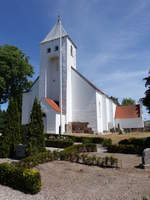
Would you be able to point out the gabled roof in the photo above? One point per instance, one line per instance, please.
(125, 112)
(90, 83)
(52, 104)
(55, 32)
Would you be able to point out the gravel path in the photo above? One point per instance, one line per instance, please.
(70, 181)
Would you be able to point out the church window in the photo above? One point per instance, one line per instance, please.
(71, 50)
(56, 48)
(48, 50)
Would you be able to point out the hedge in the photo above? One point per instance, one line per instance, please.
(127, 149)
(75, 153)
(36, 159)
(26, 180)
(48, 156)
(107, 161)
(142, 142)
(80, 139)
(58, 143)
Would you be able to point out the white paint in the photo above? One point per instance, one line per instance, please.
(130, 123)
(27, 102)
(83, 101)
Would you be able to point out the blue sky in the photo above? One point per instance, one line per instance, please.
(112, 37)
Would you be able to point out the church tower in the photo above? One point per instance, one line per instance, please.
(49, 81)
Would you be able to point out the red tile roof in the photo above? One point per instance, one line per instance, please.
(52, 104)
(125, 112)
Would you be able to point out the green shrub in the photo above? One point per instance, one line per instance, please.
(139, 143)
(107, 161)
(80, 139)
(127, 149)
(58, 143)
(26, 180)
(36, 159)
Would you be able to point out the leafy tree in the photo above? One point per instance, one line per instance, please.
(115, 100)
(11, 137)
(146, 99)
(14, 73)
(36, 138)
(128, 101)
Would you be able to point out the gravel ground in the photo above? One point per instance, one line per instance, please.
(70, 181)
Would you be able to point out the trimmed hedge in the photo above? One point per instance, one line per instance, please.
(75, 153)
(80, 139)
(127, 149)
(107, 161)
(48, 156)
(143, 142)
(26, 180)
(58, 143)
(36, 159)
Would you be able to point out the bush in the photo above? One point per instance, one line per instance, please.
(47, 156)
(139, 143)
(127, 149)
(26, 180)
(58, 143)
(80, 139)
(36, 159)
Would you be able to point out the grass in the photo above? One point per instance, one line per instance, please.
(116, 137)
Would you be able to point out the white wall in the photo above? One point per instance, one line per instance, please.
(71, 62)
(27, 102)
(83, 101)
(105, 112)
(130, 123)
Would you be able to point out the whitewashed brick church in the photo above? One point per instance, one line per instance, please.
(85, 108)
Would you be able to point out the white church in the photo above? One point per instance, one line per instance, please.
(68, 99)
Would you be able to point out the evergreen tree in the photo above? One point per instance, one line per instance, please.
(11, 137)
(2, 120)
(146, 99)
(36, 138)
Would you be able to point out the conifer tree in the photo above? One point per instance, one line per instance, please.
(11, 137)
(36, 139)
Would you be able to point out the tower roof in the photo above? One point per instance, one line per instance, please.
(55, 32)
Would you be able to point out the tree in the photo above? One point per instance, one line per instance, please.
(2, 120)
(115, 100)
(11, 137)
(14, 73)
(128, 101)
(146, 99)
(36, 138)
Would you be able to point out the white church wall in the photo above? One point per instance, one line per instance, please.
(71, 62)
(130, 123)
(45, 64)
(105, 113)
(28, 100)
(83, 101)
(58, 123)
(99, 112)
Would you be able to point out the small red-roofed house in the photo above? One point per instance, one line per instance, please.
(129, 117)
